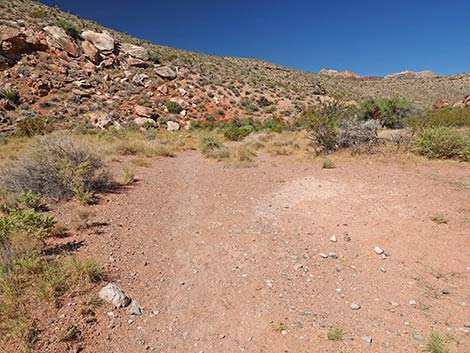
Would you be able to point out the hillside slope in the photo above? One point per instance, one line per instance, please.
(66, 71)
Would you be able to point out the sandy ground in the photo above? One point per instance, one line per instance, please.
(230, 260)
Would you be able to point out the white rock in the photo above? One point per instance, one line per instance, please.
(172, 126)
(333, 239)
(114, 294)
(378, 250)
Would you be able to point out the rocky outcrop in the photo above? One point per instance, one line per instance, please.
(16, 41)
(57, 38)
(347, 74)
(407, 75)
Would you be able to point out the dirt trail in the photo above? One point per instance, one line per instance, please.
(227, 260)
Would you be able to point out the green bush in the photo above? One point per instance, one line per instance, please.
(442, 142)
(28, 221)
(392, 113)
(58, 167)
(70, 29)
(173, 107)
(235, 133)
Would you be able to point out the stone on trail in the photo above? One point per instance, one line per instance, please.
(112, 293)
(378, 250)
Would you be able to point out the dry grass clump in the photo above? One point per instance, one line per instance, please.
(58, 167)
(30, 281)
(241, 157)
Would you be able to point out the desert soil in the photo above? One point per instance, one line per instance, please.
(229, 260)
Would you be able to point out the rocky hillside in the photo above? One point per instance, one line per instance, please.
(72, 72)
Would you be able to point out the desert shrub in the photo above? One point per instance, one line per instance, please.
(58, 167)
(442, 142)
(391, 113)
(38, 13)
(354, 133)
(70, 29)
(445, 117)
(11, 94)
(235, 133)
(333, 128)
(173, 107)
(323, 123)
(33, 126)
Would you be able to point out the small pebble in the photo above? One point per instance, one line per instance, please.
(378, 250)
(367, 339)
(333, 239)
(325, 256)
(355, 306)
(418, 338)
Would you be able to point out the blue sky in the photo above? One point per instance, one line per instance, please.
(368, 37)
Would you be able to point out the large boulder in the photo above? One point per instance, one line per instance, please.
(59, 39)
(135, 51)
(165, 72)
(101, 41)
(145, 122)
(113, 294)
(145, 112)
(91, 53)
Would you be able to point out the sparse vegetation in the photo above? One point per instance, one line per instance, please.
(335, 334)
(437, 344)
(128, 175)
(444, 117)
(30, 280)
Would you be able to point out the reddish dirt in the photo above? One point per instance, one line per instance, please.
(218, 257)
